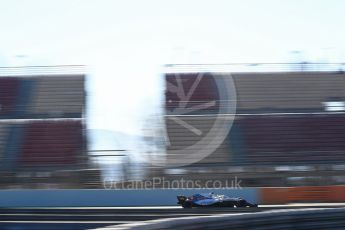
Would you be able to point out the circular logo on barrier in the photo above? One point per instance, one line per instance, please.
(199, 112)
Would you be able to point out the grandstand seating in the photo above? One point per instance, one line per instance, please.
(287, 92)
(274, 136)
(58, 96)
(205, 91)
(282, 119)
(42, 96)
(33, 148)
(8, 95)
(50, 143)
(294, 139)
(33, 97)
(3, 138)
(180, 138)
(203, 99)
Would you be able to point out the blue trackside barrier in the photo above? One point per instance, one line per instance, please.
(104, 198)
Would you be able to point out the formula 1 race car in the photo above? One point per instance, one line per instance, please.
(213, 200)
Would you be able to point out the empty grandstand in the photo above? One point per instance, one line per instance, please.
(288, 128)
(9, 90)
(42, 141)
(266, 128)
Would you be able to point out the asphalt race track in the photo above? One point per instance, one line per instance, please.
(90, 218)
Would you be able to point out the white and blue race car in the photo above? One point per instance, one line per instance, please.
(212, 200)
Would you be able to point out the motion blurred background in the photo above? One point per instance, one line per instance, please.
(84, 93)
